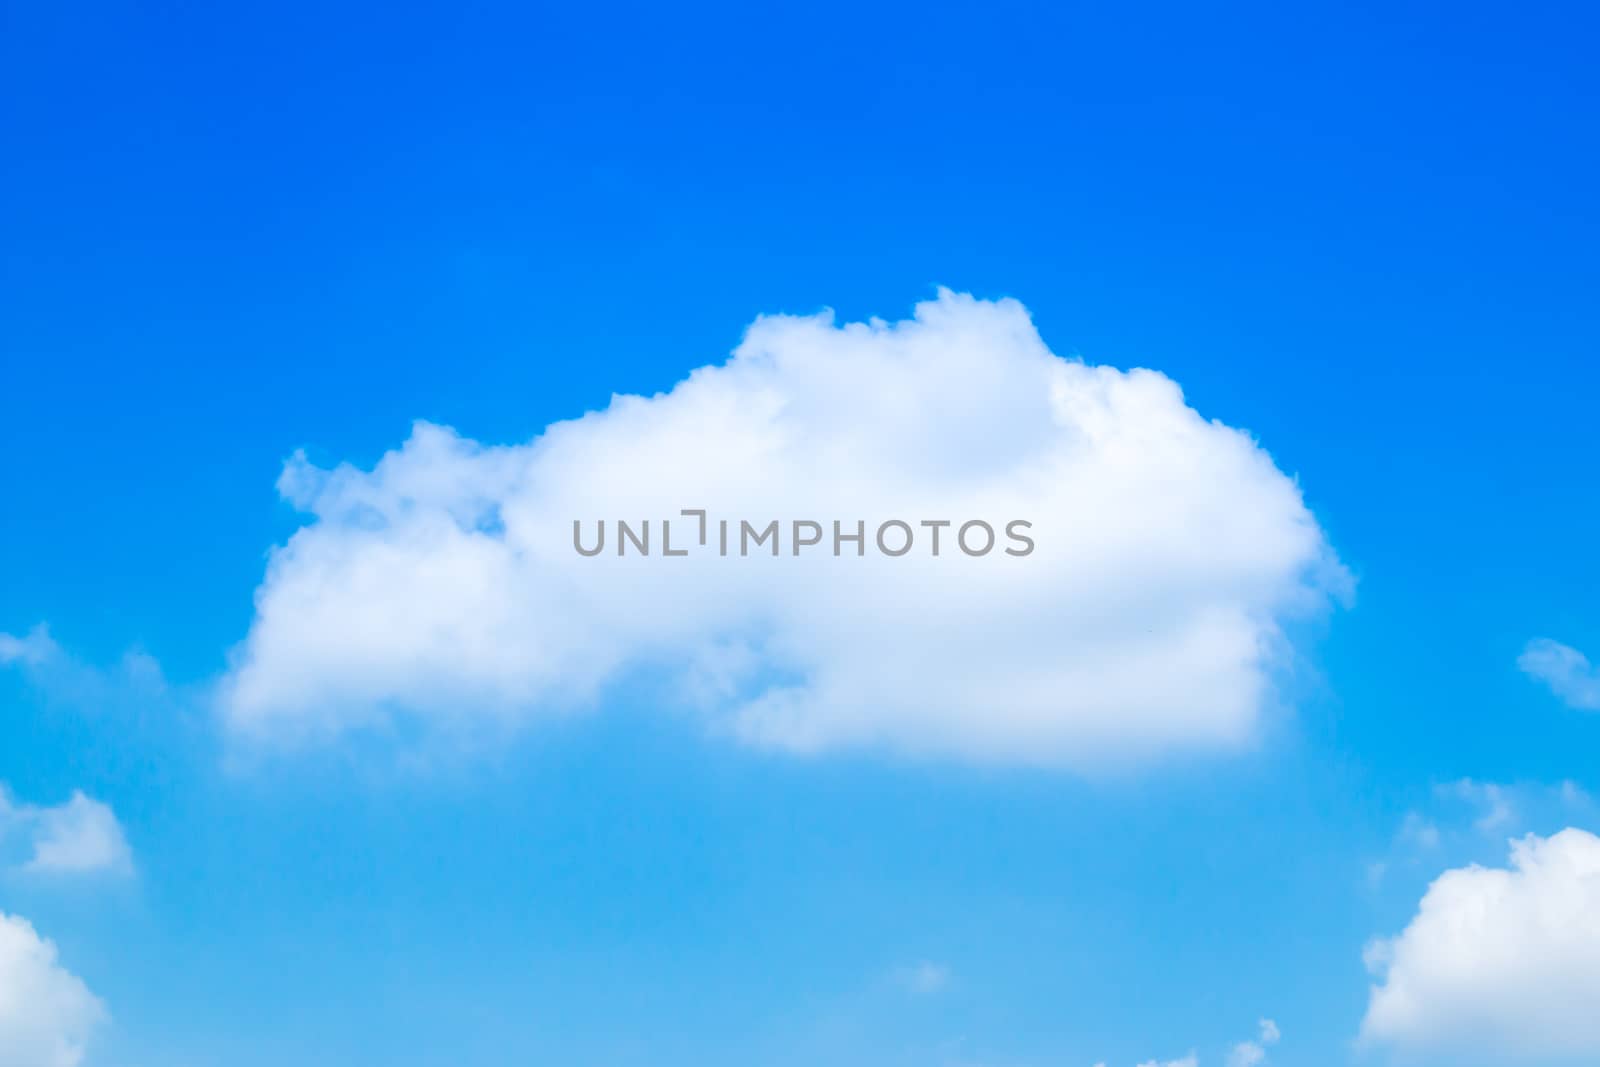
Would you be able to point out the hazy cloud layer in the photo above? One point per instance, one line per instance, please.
(31, 649)
(441, 589)
(924, 978)
(1566, 671)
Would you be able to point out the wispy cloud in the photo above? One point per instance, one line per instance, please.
(1253, 1053)
(1250, 1053)
(924, 978)
(79, 837)
(31, 649)
(1566, 671)
(1497, 811)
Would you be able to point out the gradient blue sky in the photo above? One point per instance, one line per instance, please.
(1365, 233)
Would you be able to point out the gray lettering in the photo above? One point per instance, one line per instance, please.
(625, 534)
(961, 537)
(745, 530)
(903, 548)
(666, 540)
(806, 542)
(1011, 532)
(577, 543)
(859, 537)
(699, 513)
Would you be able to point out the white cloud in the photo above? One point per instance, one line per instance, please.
(1243, 1054)
(441, 589)
(31, 649)
(1567, 672)
(81, 836)
(1506, 961)
(46, 1013)
(1252, 1053)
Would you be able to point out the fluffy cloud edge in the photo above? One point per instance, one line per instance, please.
(47, 1013)
(1505, 960)
(1154, 624)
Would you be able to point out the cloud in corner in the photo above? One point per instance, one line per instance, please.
(1502, 961)
(47, 1014)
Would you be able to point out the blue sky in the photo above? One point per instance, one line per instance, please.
(1362, 234)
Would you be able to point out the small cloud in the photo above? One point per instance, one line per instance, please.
(1566, 671)
(923, 979)
(143, 670)
(1494, 802)
(31, 649)
(1574, 795)
(1246, 1054)
(1251, 1053)
(79, 837)
(1467, 811)
(63, 677)
(1419, 831)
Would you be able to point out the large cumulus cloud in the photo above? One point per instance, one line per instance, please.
(441, 589)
